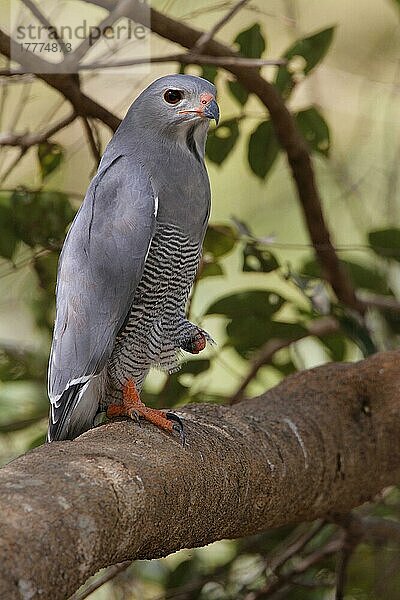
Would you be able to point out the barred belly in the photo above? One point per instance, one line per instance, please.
(156, 326)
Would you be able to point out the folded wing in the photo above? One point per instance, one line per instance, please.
(100, 266)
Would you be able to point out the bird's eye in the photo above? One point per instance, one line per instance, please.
(173, 96)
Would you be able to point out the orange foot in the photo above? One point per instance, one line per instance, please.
(133, 407)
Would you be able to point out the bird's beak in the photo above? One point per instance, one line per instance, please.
(211, 111)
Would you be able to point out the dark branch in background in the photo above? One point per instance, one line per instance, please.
(67, 84)
(321, 442)
(42, 19)
(26, 140)
(203, 40)
(92, 142)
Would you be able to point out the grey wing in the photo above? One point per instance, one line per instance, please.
(100, 266)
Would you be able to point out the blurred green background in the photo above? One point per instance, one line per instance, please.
(260, 280)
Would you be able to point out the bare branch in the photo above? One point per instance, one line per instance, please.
(26, 140)
(118, 492)
(44, 21)
(208, 35)
(189, 59)
(66, 84)
(105, 576)
(92, 142)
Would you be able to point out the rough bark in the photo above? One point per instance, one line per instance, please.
(318, 444)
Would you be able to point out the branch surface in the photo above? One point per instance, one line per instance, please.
(318, 444)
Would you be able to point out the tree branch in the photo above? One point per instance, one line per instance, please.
(26, 140)
(65, 83)
(320, 443)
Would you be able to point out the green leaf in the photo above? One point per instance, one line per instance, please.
(251, 42)
(386, 243)
(287, 331)
(222, 140)
(238, 92)
(219, 240)
(263, 149)
(259, 303)
(209, 72)
(41, 218)
(251, 45)
(258, 259)
(50, 156)
(362, 276)
(195, 367)
(312, 49)
(8, 237)
(212, 269)
(315, 130)
(336, 346)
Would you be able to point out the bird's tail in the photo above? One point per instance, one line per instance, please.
(74, 412)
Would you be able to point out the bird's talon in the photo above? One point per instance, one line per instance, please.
(177, 426)
(135, 417)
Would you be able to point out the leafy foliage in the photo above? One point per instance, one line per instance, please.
(50, 156)
(315, 130)
(311, 50)
(251, 44)
(263, 149)
(222, 140)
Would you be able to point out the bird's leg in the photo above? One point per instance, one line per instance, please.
(133, 407)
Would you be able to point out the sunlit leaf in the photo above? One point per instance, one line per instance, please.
(311, 51)
(222, 140)
(315, 130)
(263, 149)
(50, 156)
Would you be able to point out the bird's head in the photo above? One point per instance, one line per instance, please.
(175, 102)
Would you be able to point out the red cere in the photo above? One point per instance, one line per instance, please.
(206, 97)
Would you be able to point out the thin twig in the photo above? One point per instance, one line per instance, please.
(92, 142)
(292, 546)
(74, 58)
(208, 35)
(105, 575)
(44, 21)
(186, 58)
(26, 140)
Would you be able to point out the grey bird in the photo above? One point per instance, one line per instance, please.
(129, 261)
